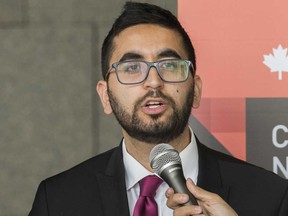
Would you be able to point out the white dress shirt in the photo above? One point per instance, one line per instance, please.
(134, 172)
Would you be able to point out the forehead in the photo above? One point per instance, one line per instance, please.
(147, 41)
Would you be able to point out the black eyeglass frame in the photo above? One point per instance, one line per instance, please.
(149, 64)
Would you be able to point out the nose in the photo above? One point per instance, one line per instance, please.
(153, 79)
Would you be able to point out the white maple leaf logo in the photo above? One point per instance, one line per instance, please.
(278, 62)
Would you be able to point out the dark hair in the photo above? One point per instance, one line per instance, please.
(143, 13)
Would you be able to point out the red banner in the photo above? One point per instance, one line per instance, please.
(241, 49)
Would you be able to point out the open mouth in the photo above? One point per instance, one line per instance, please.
(153, 104)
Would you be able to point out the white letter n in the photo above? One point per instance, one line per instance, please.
(278, 165)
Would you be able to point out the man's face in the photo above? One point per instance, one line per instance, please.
(153, 111)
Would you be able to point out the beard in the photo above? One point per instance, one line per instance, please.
(153, 131)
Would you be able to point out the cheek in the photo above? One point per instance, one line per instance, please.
(181, 95)
(124, 100)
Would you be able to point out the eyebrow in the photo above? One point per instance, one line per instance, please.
(130, 56)
(166, 53)
(169, 53)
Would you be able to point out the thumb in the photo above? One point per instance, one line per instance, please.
(199, 193)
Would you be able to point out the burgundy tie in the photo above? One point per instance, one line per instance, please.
(146, 205)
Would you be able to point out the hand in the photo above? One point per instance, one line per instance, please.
(210, 204)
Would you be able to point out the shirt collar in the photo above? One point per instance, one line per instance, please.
(134, 171)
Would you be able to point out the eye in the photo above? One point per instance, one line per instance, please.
(169, 66)
(131, 67)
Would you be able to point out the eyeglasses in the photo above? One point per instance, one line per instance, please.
(136, 71)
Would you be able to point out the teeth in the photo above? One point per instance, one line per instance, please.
(154, 103)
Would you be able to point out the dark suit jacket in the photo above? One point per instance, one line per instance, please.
(96, 187)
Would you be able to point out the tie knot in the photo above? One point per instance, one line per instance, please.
(149, 185)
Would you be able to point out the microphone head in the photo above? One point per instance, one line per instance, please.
(162, 156)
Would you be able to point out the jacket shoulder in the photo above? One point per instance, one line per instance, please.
(230, 165)
(86, 169)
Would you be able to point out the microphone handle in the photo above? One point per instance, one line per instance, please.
(174, 177)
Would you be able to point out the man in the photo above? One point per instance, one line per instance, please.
(150, 85)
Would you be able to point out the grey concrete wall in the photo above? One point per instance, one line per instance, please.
(50, 116)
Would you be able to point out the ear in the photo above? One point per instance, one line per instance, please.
(197, 91)
(102, 91)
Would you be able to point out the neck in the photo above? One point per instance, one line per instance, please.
(141, 150)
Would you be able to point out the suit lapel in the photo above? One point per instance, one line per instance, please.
(112, 186)
(209, 177)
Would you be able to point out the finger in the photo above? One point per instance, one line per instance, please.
(190, 210)
(169, 192)
(174, 200)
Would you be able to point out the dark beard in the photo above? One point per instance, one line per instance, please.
(154, 132)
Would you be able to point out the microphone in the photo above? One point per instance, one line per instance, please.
(166, 162)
